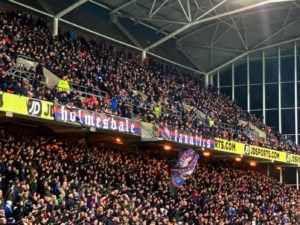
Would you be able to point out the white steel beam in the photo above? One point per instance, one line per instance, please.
(187, 55)
(199, 20)
(276, 33)
(55, 27)
(184, 12)
(125, 32)
(297, 179)
(198, 30)
(215, 32)
(206, 82)
(144, 24)
(286, 17)
(239, 33)
(211, 47)
(223, 33)
(156, 10)
(189, 10)
(221, 20)
(211, 80)
(252, 51)
(152, 7)
(279, 91)
(218, 82)
(144, 56)
(151, 19)
(177, 64)
(296, 92)
(70, 8)
(281, 175)
(106, 37)
(123, 6)
(31, 8)
(264, 85)
(247, 14)
(232, 82)
(248, 84)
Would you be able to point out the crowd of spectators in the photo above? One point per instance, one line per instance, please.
(48, 180)
(160, 92)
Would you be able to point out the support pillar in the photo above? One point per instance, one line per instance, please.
(297, 179)
(232, 83)
(279, 90)
(264, 85)
(218, 82)
(248, 84)
(55, 27)
(280, 175)
(206, 80)
(211, 80)
(296, 92)
(268, 170)
(144, 56)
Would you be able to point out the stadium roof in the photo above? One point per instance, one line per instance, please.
(201, 35)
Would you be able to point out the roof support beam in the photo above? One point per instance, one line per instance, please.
(239, 33)
(215, 48)
(221, 35)
(184, 27)
(125, 32)
(156, 10)
(183, 10)
(163, 28)
(189, 10)
(152, 7)
(107, 8)
(276, 33)
(123, 6)
(215, 32)
(198, 30)
(70, 8)
(200, 20)
(216, 13)
(151, 19)
(131, 46)
(285, 21)
(187, 55)
(252, 51)
(105, 36)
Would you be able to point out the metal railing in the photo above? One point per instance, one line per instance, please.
(26, 58)
(224, 126)
(21, 72)
(85, 91)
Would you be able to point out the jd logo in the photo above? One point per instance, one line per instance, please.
(288, 158)
(1, 100)
(34, 107)
(247, 150)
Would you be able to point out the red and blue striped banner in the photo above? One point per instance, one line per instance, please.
(94, 119)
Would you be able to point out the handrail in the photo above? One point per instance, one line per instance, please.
(85, 89)
(99, 93)
(21, 73)
(26, 57)
(224, 126)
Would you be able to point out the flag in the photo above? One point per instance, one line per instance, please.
(184, 167)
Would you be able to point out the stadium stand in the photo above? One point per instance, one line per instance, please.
(50, 179)
(122, 84)
(47, 180)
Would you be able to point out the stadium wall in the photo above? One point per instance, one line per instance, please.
(266, 84)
